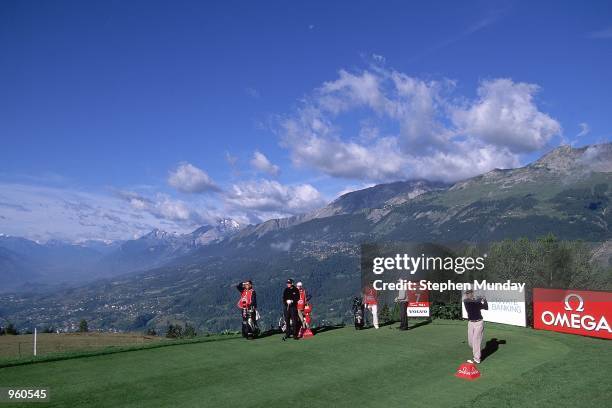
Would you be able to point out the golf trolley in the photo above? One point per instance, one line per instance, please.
(282, 326)
(250, 329)
(358, 313)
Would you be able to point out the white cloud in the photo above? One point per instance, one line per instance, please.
(467, 159)
(252, 92)
(409, 127)
(162, 206)
(231, 160)
(351, 90)
(175, 210)
(379, 58)
(350, 189)
(505, 115)
(261, 163)
(269, 197)
(378, 161)
(584, 129)
(43, 213)
(597, 158)
(419, 109)
(282, 246)
(136, 201)
(187, 178)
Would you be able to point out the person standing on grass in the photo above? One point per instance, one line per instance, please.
(301, 304)
(370, 297)
(248, 307)
(291, 297)
(473, 306)
(402, 300)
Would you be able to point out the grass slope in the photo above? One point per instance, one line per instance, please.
(338, 368)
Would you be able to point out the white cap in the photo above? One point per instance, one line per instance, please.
(299, 284)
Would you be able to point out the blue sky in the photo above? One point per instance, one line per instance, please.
(117, 117)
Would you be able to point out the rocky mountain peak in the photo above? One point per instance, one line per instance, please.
(228, 224)
(565, 159)
(157, 234)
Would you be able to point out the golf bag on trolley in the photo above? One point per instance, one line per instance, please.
(283, 327)
(358, 313)
(305, 331)
(250, 329)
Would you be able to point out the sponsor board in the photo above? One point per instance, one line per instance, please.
(505, 306)
(418, 303)
(587, 313)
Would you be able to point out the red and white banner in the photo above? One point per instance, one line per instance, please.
(587, 313)
(418, 303)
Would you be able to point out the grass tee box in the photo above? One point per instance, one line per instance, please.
(340, 368)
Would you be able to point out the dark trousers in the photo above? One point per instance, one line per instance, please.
(291, 317)
(245, 326)
(403, 315)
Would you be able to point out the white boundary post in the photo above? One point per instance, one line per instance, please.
(35, 335)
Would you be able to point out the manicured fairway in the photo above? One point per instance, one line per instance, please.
(339, 368)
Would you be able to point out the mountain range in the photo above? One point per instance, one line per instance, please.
(26, 264)
(163, 277)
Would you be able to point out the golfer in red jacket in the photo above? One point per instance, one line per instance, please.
(370, 299)
(302, 304)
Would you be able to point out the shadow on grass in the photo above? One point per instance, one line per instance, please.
(268, 333)
(326, 328)
(419, 324)
(316, 330)
(491, 347)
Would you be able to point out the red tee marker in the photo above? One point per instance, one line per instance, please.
(307, 333)
(467, 371)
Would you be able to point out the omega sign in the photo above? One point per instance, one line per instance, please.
(587, 313)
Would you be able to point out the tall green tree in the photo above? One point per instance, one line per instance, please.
(83, 326)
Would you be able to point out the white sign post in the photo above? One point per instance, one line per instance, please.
(35, 335)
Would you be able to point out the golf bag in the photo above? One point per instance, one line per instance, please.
(250, 329)
(282, 325)
(305, 331)
(308, 314)
(358, 313)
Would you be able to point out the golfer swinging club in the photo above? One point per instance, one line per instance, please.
(475, 323)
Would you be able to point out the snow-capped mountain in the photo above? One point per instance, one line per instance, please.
(207, 234)
(25, 261)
